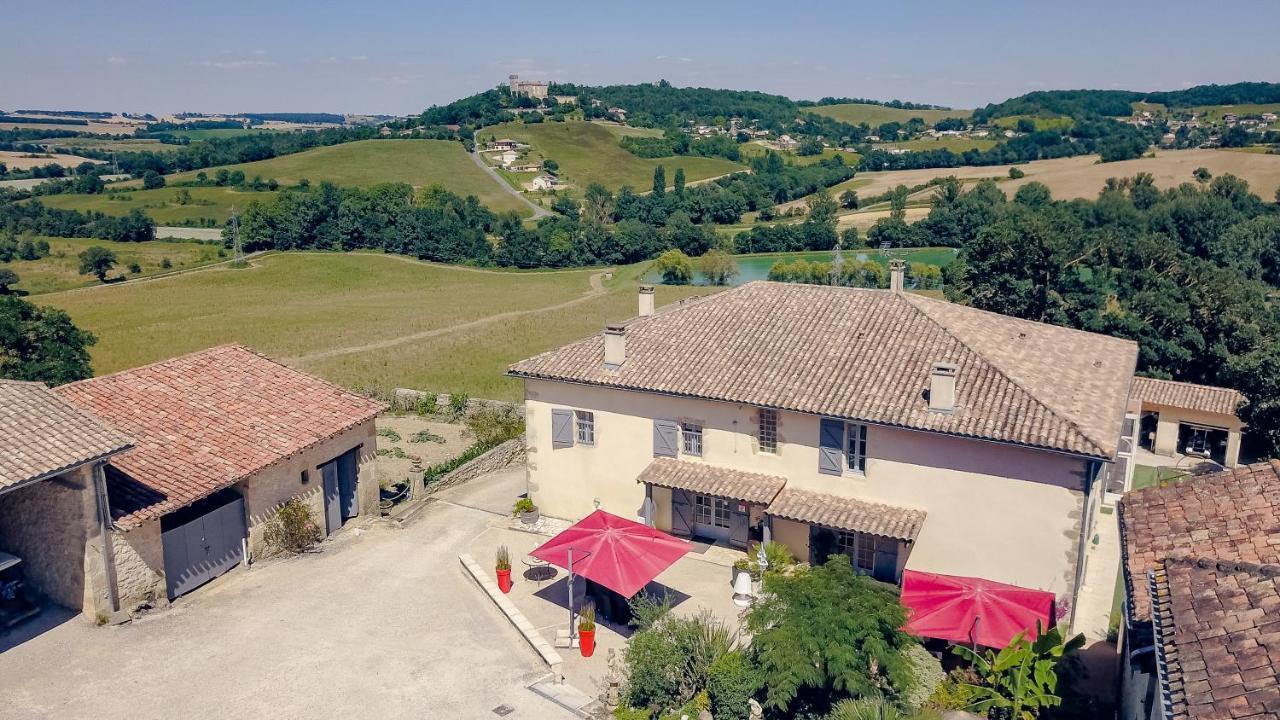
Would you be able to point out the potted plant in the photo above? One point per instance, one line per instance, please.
(526, 511)
(587, 630)
(502, 563)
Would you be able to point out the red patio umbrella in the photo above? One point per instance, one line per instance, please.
(620, 554)
(972, 610)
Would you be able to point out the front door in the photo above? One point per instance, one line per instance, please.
(711, 517)
(341, 479)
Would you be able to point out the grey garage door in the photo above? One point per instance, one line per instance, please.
(203, 548)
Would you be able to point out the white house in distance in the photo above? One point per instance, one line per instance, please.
(906, 432)
(543, 182)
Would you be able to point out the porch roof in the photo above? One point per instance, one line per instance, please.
(706, 479)
(848, 514)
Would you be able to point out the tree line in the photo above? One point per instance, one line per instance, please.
(36, 218)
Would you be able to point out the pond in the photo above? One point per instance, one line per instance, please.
(756, 267)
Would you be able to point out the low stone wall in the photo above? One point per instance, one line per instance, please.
(509, 453)
(406, 399)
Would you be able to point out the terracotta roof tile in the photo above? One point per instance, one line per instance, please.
(711, 480)
(1217, 630)
(1229, 515)
(848, 514)
(42, 435)
(867, 355)
(205, 421)
(1206, 398)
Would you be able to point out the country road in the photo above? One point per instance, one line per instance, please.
(538, 210)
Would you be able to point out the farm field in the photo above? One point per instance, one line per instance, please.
(205, 134)
(117, 145)
(302, 307)
(589, 152)
(367, 162)
(207, 203)
(954, 144)
(1215, 112)
(873, 115)
(1042, 122)
(16, 160)
(95, 127)
(756, 149)
(60, 270)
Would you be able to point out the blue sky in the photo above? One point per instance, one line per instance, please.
(398, 56)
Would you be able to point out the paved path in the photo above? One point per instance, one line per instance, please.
(1093, 603)
(538, 210)
(380, 624)
(597, 289)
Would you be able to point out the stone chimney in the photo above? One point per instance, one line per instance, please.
(646, 300)
(942, 388)
(615, 346)
(897, 269)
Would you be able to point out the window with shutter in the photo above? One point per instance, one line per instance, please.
(561, 428)
(830, 447)
(666, 435)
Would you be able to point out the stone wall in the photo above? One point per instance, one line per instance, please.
(47, 524)
(511, 452)
(139, 560)
(405, 399)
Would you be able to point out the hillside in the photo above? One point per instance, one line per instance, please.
(206, 204)
(873, 115)
(588, 152)
(1120, 103)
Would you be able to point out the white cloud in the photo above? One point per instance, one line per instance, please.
(115, 60)
(233, 64)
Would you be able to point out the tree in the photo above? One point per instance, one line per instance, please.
(849, 200)
(1020, 680)
(827, 635)
(659, 181)
(550, 166)
(675, 266)
(1202, 175)
(98, 261)
(8, 278)
(898, 202)
(183, 197)
(1016, 173)
(679, 183)
(152, 180)
(41, 344)
(718, 267)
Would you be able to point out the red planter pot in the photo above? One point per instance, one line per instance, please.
(504, 580)
(587, 642)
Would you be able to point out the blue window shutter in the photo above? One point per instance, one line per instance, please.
(665, 436)
(561, 428)
(830, 446)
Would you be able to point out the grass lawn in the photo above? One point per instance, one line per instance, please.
(589, 152)
(873, 115)
(289, 305)
(1146, 476)
(61, 269)
(212, 203)
(367, 162)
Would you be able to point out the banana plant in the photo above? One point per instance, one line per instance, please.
(1021, 679)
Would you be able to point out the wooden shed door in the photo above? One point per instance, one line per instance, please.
(203, 548)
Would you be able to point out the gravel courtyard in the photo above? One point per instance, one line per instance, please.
(381, 624)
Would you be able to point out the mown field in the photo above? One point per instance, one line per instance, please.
(366, 162)
(61, 269)
(1042, 122)
(20, 161)
(873, 115)
(161, 205)
(954, 144)
(294, 305)
(588, 152)
(117, 145)
(205, 134)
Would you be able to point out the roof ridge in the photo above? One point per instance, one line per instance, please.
(1055, 412)
(1266, 571)
(159, 363)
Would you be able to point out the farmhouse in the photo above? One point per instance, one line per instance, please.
(53, 522)
(894, 428)
(222, 438)
(544, 182)
(1201, 564)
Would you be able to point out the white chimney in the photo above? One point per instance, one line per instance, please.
(897, 269)
(646, 300)
(942, 388)
(615, 346)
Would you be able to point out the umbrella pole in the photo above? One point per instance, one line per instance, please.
(571, 623)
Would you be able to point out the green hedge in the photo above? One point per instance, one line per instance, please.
(435, 472)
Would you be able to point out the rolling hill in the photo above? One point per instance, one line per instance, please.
(873, 115)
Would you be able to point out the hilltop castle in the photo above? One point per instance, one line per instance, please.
(535, 90)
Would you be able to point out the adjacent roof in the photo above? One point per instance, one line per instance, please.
(207, 420)
(711, 480)
(867, 355)
(848, 514)
(1206, 398)
(41, 435)
(1217, 628)
(1230, 515)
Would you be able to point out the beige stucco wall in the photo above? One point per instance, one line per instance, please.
(1166, 442)
(139, 563)
(995, 511)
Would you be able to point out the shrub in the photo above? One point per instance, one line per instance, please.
(166, 263)
(732, 680)
(1021, 680)
(927, 673)
(425, 404)
(1016, 173)
(135, 268)
(458, 404)
(491, 425)
(669, 662)
(523, 505)
(435, 472)
(390, 434)
(293, 529)
(423, 436)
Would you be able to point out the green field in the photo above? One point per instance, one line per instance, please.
(753, 149)
(211, 203)
(366, 162)
(954, 144)
(588, 152)
(117, 145)
(1042, 122)
(198, 134)
(61, 269)
(1215, 112)
(292, 305)
(873, 115)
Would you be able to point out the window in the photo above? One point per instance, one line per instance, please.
(585, 424)
(864, 550)
(712, 511)
(855, 447)
(767, 434)
(691, 439)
